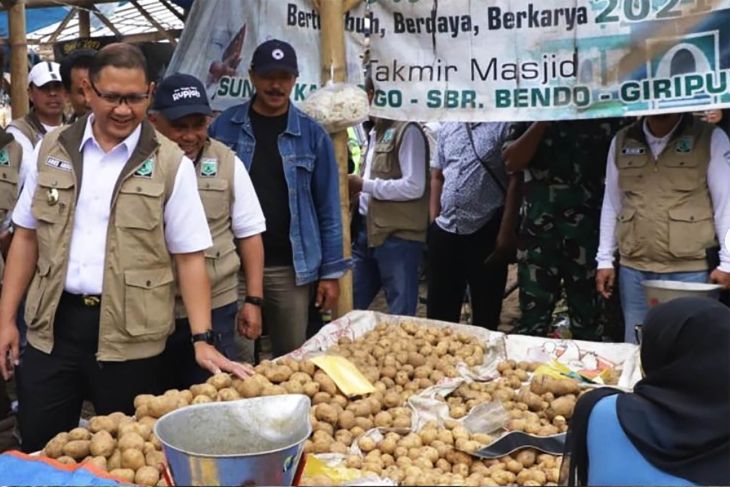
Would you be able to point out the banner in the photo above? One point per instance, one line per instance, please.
(509, 60)
(221, 35)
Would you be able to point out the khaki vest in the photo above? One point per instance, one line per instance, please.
(30, 126)
(666, 221)
(138, 296)
(216, 187)
(11, 154)
(404, 219)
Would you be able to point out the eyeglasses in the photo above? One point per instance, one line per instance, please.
(116, 99)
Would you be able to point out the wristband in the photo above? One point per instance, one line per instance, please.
(254, 300)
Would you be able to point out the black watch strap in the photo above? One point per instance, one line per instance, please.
(207, 337)
(254, 300)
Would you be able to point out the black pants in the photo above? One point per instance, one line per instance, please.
(52, 387)
(457, 260)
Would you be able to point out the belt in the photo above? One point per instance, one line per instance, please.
(86, 300)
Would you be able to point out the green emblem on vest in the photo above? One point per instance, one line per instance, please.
(389, 135)
(685, 144)
(209, 167)
(146, 169)
(4, 158)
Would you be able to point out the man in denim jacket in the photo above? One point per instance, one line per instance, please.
(292, 165)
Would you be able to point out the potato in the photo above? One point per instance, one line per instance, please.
(364, 423)
(102, 423)
(66, 460)
(344, 436)
(142, 429)
(321, 446)
(155, 459)
(338, 447)
(228, 394)
(202, 399)
(123, 474)
(366, 444)
(325, 383)
(102, 444)
(131, 441)
(326, 427)
(220, 381)
(77, 449)
(54, 448)
(346, 420)
(148, 421)
(204, 389)
(278, 374)
(97, 462)
(147, 476)
(132, 458)
(273, 390)
(142, 399)
(310, 389)
(562, 406)
(402, 422)
(325, 412)
(383, 419)
(142, 412)
(161, 405)
(79, 434)
(115, 460)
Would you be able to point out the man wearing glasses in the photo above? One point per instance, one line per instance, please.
(102, 217)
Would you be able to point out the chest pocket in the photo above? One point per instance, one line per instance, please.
(8, 188)
(682, 172)
(382, 162)
(140, 204)
(631, 171)
(53, 196)
(214, 195)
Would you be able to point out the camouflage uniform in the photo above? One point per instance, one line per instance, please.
(560, 224)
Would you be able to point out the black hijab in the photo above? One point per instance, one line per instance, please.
(678, 416)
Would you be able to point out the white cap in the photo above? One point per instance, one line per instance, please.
(44, 72)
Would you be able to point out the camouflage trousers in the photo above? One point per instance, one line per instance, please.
(548, 262)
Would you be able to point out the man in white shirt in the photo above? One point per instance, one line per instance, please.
(393, 206)
(48, 99)
(182, 113)
(102, 217)
(666, 204)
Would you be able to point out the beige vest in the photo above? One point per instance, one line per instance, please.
(216, 187)
(666, 221)
(30, 126)
(11, 154)
(404, 219)
(138, 287)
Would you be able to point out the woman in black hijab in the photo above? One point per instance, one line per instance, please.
(674, 429)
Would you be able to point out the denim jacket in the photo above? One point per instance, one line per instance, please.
(311, 174)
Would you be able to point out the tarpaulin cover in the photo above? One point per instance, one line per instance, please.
(19, 469)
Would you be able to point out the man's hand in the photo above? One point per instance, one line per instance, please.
(249, 321)
(213, 361)
(9, 349)
(605, 279)
(354, 184)
(328, 292)
(721, 278)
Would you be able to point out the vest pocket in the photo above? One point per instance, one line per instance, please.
(682, 173)
(691, 231)
(626, 232)
(630, 172)
(8, 188)
(36, 291)
(139, 205)
(214, 196)
(53, 197)
(148, 303)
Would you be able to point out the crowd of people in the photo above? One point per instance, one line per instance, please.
(148, 242)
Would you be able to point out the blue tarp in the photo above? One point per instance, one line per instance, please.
(35, 18)
(19, 469)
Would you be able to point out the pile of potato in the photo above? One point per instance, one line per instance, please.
(431, 457)
(117, 444)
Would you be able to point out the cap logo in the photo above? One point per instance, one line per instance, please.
(277, 54)
(185, 92)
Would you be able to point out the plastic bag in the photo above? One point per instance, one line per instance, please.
(337, 106)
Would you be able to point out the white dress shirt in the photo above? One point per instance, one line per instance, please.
(186, 228)
(412, 184)
(247, 218)
(718, 182)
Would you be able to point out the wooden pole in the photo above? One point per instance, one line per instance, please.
(18, 60)
(84, 23)
(334, 68)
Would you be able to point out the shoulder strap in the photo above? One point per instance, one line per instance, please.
(484, 163)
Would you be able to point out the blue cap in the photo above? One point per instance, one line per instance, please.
(274, 55)
(180, 95)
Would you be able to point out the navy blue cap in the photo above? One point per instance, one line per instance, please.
(274, 55)
(180, 95)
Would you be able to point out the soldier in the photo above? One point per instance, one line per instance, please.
(559, 231)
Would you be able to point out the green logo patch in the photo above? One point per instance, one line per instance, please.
(4, 158)
(146, 169)
(685, 144)
(389, 135)
(209, 167)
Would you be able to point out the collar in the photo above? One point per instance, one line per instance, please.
(241, 117)
(129, 143)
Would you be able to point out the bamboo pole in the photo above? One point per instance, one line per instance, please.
(18, 59)
(84, 23)
(334, 68)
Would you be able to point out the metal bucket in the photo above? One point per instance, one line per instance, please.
(661, 291)
(247, 442)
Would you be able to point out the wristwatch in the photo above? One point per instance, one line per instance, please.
(207, 337)
(254, 300)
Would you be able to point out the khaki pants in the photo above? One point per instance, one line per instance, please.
(285, 312)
